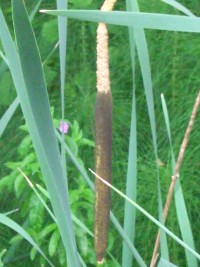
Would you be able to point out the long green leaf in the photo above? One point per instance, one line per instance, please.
(1, 255)
(143, 55)
(142, 49)
(8, 115)
(62, 33)
(131, 179)
(150, 217)
(36, 110)
(62, 30)
(11, 110)
(112, 216)
(183, 219)
(74, 218)
(5, 62)
(41, 128)
(17, 228)
(179, 7)
(164, 263)
(134, 19)
(35, 10)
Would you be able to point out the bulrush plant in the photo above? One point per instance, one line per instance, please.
(23, 60)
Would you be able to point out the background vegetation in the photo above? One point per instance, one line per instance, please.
(175, 66)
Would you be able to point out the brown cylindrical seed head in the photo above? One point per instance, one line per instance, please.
(103, 143)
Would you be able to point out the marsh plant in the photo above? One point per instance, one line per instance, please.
(59, 205)
(32, 211)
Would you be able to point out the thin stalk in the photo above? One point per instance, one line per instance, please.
(176, 175)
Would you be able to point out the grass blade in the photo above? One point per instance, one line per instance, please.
(35, 10)
(46, 148)
(183, 219)
(11, 110)
(36, 109)
(134, 19)
(74, 218)
(131, 179)
(143, 55)
(112, 216)
(126, 239)
(62, 33)
(150, 217)
(8, 115)
(5, 61)
(164, 263)
(179, 7)
(62, 29)
(17, 228)
(38, 195)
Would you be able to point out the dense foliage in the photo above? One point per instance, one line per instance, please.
(174, 61)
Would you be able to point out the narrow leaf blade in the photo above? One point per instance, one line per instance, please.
(40, 124)
(8, 115)
(134, 19)
(17, 228)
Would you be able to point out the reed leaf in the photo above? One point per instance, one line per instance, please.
(150, 217)
(74, 218)
(163, 263)
(134, 19)
(145, 66)
(131, 179)
(114, 220)
(179, 7)
(8, 115)
(181, 210)
(12, 108)
(143, 55)
(35, 10)
(4, 63)
(45, 145)
(32, 93)
(62, 33)
(17, 228)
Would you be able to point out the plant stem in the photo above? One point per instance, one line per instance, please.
(175, 175)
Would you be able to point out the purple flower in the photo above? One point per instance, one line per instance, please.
(63, 127)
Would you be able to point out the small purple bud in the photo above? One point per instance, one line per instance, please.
(63, 127)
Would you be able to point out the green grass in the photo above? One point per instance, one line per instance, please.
(174, 62)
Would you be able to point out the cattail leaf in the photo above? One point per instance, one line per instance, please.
(181, 210)
(62, 33)
(164, 263)
(114, 220)
(17, 228)
(8, 115)
(150, 217)
(33, 97)
(179, 7)
(134, 19)
(131, 179)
